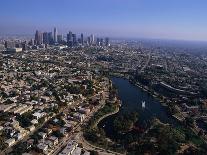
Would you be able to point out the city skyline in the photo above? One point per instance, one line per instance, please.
(180, 20)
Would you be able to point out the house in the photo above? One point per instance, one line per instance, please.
(26, 154)
(193, 109)
(1, 128)
(79, 117)
(42, 147)
(19, 108)
(15, 124)
(6, 107)
(37, 115)
(24, 110)
(62, 130)
(77, 151)
(31, 128)
(18, 136)
(34, 121)
(30, 143)
(53, 139)
(49, 143)
(86, 153)
(68, 150)
(68, 126)
(42, 134)
(49, 131)
(10, 141)
(84, 110)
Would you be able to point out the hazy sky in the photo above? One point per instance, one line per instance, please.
(172, 19)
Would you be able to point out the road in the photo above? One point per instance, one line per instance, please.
(89, 146)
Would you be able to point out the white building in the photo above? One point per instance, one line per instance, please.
(10, 141)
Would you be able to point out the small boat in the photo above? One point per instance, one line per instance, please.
(104, 126)
(143, 104)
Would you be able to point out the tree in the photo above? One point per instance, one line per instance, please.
(94, 152)
(189, 121)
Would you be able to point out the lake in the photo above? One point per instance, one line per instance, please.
(132, 98)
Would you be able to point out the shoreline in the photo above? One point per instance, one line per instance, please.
(107, 115)
(96, 126)
(155, 95)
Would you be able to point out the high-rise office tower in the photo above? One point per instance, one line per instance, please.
(89, 41)
(2, 48)
(38, 38)
(10, 44)
(107, 41)
(45, 38)
(50, 38)
(98, 42)
(92, 39)
(31, 42)
(70, 39)
(24, 46)
(82, 40)
(1, 60)
(74, 40)
(18, 45)
(101, 42)
(55, 35)
(60, 38)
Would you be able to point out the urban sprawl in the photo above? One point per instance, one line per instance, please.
(53, 89)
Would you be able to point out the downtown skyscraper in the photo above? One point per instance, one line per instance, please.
(55, 35)
(70, 39)
(38, 38)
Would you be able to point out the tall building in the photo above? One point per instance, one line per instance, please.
(98, 42)
(89, 41)
(70, 39)
(82, 40)
(92, 40)
(50, 38)
(24, 46)
(10, 44)
(31, 42)
(101, 42)
(38, 38)
(2, 47)
(107, 42)
(60, 38)
(55, 35)
(1, 61)
(45, 38)
(18, 45)
(74, 40)
(1, 56)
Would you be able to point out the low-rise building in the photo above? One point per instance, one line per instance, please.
(84, 110)
(43, 135)
(69, 149)
(77, 151)
(53, 139)
(10, 141)
(6, 107)
(42, 147)
(31, 128)
(79, 117)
